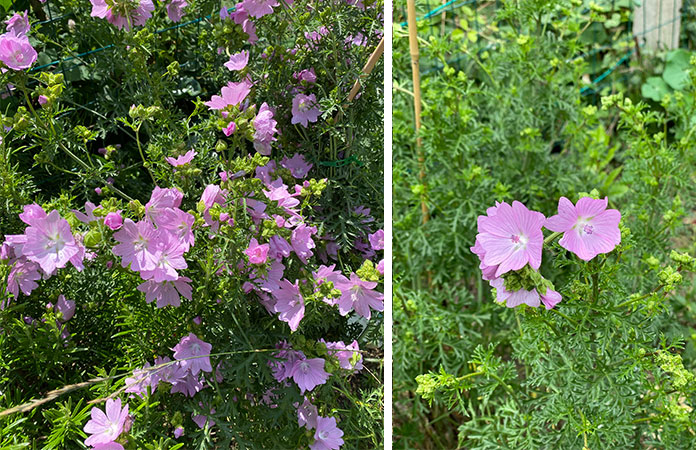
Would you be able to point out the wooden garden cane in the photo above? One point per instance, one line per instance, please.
(415, 68)
(367, 69)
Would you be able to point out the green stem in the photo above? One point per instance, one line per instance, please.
(552, 237)
(142, 155)
(563, 315)
(642, 297)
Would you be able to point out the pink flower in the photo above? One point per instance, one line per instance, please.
(178, 432)
(309, 373)
(328, 435)
(359, 295)
(198, 352)
(23, 276)
(380, 267)
(136, 245)
(32, 213)
(289, 303)
(377, 240)
(160, 200)
(105, 428)
(298, 167)
(264, 130)
(85, 218)
(279, 247)
(304, 109)
(241, 17)
(179, 224)
(307, 415)
(212, 195)
(201, 420)
(19, 24)
(324, 274)
(229, 129)
(66, 308)
(509, 238)
(113, 220)
(258, 254)
(166, 292)
(307, 75)
(531, 298)
(302, 242)
(189, 386)
(238, 61)
(169, 256)
(141, 380)
(282, 367)
(259, 8)
(233, 94)
(181, 160)
(43, 100)
(588, 228)
(137, 16)
(50, 242)
(174, 10)
(345, 354)
(16, 52)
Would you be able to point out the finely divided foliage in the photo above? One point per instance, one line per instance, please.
(202, 257)
(582, 337)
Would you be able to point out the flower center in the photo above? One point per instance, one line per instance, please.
(519, 241)
(323, 435)
(304, 366)
(583, 226)
(196, 348)
(113, 429)
(55, 243)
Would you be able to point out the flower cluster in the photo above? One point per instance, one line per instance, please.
(15, 50)
(47, 244)
(327, 435)
(127, 14)
(184, 374)
(308, 373)
(155, 247)
(510, 240)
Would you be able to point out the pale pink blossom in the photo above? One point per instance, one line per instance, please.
(181, 160)
(105, 428)
(50, 242)
(194, 354)
(309, 373)
(360, 296)
(166, 292)
(238, 61)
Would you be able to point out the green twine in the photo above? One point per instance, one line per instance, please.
(341, 162)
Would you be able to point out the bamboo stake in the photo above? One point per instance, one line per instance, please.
(367, 69)
(443, 20)
(415, 68)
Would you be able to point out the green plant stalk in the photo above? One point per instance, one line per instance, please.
(142, 155)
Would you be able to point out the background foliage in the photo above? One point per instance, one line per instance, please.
(509, 117)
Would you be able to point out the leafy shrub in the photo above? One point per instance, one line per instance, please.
(223, 275)
(612, 364)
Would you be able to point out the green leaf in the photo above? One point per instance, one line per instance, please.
(676, 72)
(655, 88)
